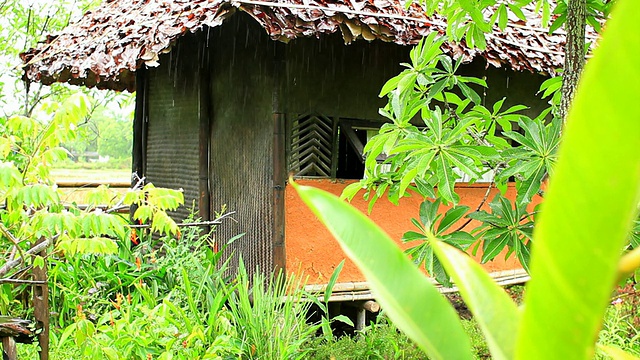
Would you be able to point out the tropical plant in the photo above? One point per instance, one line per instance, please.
(36, 224)
(33, 207)
(434, 137)
(145, 304)
(576, 260)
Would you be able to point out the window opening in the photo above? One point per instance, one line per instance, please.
(328, 147)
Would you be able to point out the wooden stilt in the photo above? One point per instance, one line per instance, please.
(9, 350)
(41, 306)
(361, 316)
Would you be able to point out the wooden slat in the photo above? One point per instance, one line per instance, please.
(312, 145)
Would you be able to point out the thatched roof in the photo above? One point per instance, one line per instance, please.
(106, 46)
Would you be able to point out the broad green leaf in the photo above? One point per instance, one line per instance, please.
(517, 12)
(351, 190)
(486, 217)
(424, 188)
(523, 140)
(523, 253)
(163, 223)
(92, 245)
(343, 319)
(590, 203)
(406, 180)
(460, 239)
(469, 93)
(436, 88)
(530, 186)
(9, 175)
(503, 17)
(101, 195)
(390, 85)
(332, 281)
(451, 216)
(134, 197)
(557, 23)
(616, 353)
(429, 213)
(464, 164)
(479, 35)
(38, 261)
(546, 12)
(412, 236)
(490, 305)
(143, 213)
(400, 287)
(446, 181)
(493, 247)
(550, 86)
(110, 353)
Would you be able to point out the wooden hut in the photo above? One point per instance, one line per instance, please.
(232, 96)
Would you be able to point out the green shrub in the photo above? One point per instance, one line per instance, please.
(618, 329)
(380, 340)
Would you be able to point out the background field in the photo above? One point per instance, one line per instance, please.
(70, 182)
(92, 175)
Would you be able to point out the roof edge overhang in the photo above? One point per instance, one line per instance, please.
(107, 46)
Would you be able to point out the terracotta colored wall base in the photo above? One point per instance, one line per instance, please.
(311, 250)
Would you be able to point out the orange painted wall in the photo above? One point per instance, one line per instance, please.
(311, 250)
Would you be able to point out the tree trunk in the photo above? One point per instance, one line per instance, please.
(574, 51)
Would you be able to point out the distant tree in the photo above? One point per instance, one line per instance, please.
(115, 139)
(24, 23)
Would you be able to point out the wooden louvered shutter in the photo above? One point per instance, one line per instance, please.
(313, 146)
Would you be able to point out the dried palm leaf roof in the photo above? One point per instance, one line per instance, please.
(106, 46)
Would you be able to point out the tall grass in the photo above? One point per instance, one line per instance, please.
(270, 315)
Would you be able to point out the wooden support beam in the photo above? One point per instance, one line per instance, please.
(139, 147)
(279, 174)
(9, 349)
(361, 311)
(139, 119)
(204, 135)
(41, 304)
(279, 164)
(361, 317)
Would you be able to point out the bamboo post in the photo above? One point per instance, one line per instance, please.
(371, 306)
